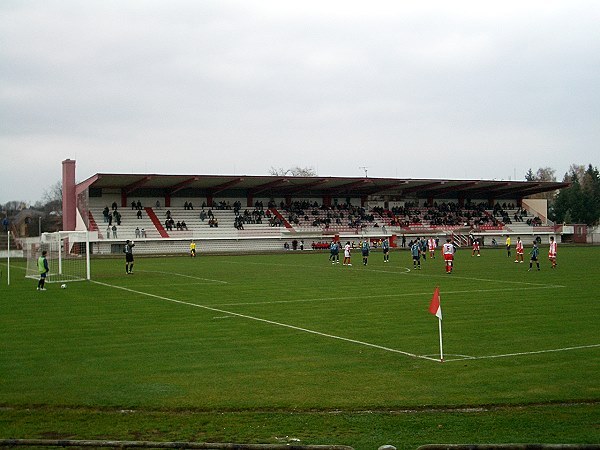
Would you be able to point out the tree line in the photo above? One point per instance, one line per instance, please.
(578, 203)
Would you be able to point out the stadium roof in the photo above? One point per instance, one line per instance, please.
(314, 187)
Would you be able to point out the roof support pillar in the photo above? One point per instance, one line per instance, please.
(69, 200)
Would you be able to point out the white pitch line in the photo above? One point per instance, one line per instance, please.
(414, 294)
(536, 352)
(541, 285)
(406, 271)
(183, 275)
(271, 322)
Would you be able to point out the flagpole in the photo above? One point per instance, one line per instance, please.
(8, 259)
(441, 345)
(436, 309)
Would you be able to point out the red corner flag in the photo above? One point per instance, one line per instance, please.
(434, 307)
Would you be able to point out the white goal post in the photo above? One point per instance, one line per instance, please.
(67, 253)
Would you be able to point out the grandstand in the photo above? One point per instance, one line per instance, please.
(164, 213)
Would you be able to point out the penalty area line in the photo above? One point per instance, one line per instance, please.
(270, 322)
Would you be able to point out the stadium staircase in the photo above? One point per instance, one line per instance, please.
(156, 222)
(93, 225)
(277, 214)
(460, 240)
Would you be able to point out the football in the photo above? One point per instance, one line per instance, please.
(63, 286)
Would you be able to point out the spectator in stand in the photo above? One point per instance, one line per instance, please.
(139, 214)
(184, 225)
(108, 232)
(143, 232)
(137, 232)
(133, 204)
(114, 231)
(139, 204)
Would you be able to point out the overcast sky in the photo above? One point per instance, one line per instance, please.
(427, 89)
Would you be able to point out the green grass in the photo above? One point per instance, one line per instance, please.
(257, 348)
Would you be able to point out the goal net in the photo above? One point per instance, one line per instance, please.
(67, 254)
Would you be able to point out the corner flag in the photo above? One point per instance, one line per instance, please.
(434, 307)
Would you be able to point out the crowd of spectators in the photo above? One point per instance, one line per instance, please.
(306, 213)
(411, 214)
(170, 223)
(345, 215)
(249, 217)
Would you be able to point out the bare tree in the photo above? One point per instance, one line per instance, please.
(577, 170)
(295, 171)
(545, 174)
(542, 174)
(14, 205)
(53, 193)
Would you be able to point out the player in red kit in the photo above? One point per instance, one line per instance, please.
(448, 252)
(475, 248)
(552, 252)
(431, 245)
(519, 249)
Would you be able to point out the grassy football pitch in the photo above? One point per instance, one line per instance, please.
(290, 348)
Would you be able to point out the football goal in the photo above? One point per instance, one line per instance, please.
(67, 253)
